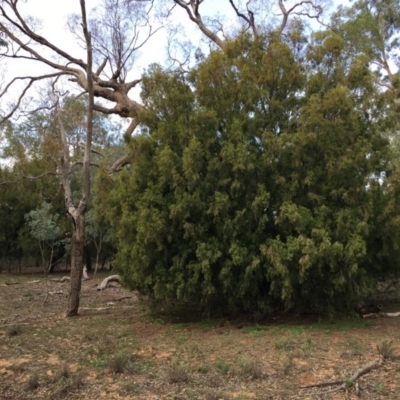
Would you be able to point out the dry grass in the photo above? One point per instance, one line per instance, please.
(117, 349)
(251, 368)
(121, 362)
(177, 372)
(14, 330)
(33, 382)
(386, 349)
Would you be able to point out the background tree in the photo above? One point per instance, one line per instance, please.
(107, 80)
(98, 235)
(44, 227)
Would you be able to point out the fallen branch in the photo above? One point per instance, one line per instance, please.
(322, 384)
(36, 281)
(15, 324)
(388, 314)
(348, 382)
(113, 278)
(63, 279)
(95, 309)
(381, 314)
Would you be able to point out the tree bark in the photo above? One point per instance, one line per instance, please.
(78, 242)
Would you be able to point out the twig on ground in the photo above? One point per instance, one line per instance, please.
(58, 292)
(123, 298)
(348, 382)
(322, 384)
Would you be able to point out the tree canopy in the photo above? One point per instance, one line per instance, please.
(259, 182)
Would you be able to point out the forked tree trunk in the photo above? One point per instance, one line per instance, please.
(78, 242)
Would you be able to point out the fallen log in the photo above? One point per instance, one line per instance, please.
(381, 314)
(113, 278)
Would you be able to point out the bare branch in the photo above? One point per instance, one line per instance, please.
(249, 19)
(192, 9)
(101, 67)
(76, 163)
(94, 151)
(125, 160)
(131, 128)
(24, 28)
(35, 55)
(31, 79)
(286, 13)
(28, 177)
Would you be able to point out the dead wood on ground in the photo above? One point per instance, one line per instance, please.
(113, 278)
(347, 382)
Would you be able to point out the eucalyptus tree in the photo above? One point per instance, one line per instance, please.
(45, 228)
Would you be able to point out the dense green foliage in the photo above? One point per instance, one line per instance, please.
(30, 176)
(259, 181)
(264, 178)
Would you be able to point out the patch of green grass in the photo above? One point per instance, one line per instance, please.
(100, 362)
(203, 369)
(123, 334)
(306, 346)
(355, 345)
(210, 323)
(380, 388)
(181, 339)
(27, 293)
(340, 325)
(110, 321)
(122, 362)
(285, 343)
(190, 393)
(213, 394)
(257, 334)
(287, 364)
(296, 330)
(222, 366)
(348, 381)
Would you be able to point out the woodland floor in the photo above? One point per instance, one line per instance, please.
(117, 349)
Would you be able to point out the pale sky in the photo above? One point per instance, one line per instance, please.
(53, 15)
